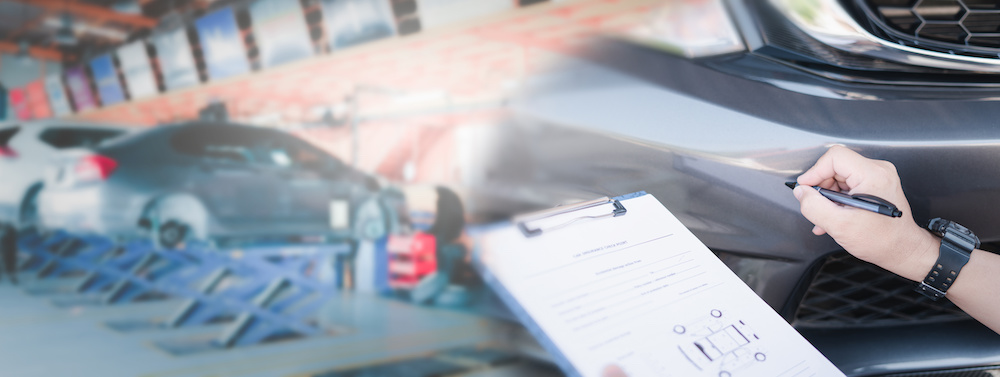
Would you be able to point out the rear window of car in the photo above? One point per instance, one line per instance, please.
(8, 133)
(249, 146)
(70, 137)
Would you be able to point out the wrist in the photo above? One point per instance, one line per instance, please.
(919, 255)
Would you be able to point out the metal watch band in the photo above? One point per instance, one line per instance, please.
(957, 244)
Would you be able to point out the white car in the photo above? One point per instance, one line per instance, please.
(26, 150)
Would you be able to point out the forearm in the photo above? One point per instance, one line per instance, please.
(975, 290)
(970, 291)
(897, 244)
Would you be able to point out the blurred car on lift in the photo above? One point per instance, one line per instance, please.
(711, 105)
(26, 149)
(211, 181)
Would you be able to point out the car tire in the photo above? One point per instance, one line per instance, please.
(174, 220)
(172, 234)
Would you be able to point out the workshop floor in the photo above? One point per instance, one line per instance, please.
(45, 331)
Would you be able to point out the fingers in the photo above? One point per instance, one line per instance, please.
(613, 371)
(829, 184)
(818, 231)
(835, 169)
(816, 208)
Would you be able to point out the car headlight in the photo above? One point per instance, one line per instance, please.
(691, 28)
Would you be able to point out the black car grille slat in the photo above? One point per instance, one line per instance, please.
(847, 292)
(902, 19)
(964, 27)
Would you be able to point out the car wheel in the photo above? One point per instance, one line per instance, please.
(174, 220)
(172, 234)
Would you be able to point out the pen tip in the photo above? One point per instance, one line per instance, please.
(791, 184)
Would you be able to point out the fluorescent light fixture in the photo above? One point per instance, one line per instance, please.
(692, 28)
(68, 34)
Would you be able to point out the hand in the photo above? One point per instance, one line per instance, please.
(896, 244)
(613, 371)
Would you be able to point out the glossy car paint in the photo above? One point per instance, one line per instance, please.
(715, 139)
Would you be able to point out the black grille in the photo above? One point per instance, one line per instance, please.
(848, 292)
(967, 27)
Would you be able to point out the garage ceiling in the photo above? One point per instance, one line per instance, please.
(63, 29)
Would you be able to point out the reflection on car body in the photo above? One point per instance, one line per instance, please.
(714, 138)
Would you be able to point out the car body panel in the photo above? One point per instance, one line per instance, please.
(715, 139)
(886, 350)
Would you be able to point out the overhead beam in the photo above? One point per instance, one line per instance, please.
(93, 12)
(35, 52)
(28, 26)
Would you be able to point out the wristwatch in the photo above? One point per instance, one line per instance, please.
(957, 243)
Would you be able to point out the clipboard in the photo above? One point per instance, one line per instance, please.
(523, 221)
(589, 282)
(523, 224)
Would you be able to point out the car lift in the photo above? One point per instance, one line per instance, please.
(269, 291)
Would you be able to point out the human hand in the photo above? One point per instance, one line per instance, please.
(896, 244)
(613, 371)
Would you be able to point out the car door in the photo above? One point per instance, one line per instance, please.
(317, 200)
(241, 193)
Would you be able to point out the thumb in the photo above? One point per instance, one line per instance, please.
(815, 207)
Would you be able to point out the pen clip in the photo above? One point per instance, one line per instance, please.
(874, 200)
(893, 211)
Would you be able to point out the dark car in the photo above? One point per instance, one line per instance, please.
(714, 133)
(210, 181)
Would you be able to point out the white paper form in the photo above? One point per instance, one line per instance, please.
(641, 292)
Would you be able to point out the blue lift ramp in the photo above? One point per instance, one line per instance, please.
(265, 291)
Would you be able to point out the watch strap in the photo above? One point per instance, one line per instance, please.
(957, 244)
(951, 259)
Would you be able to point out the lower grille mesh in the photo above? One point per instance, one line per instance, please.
(849, 292)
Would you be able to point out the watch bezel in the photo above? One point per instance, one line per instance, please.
(953, 232)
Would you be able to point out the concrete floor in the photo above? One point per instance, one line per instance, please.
(46, 332)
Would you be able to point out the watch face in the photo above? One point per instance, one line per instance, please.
(954, 232)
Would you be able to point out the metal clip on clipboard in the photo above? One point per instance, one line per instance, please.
(522, 221)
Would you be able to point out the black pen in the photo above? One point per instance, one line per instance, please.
(862, 201)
